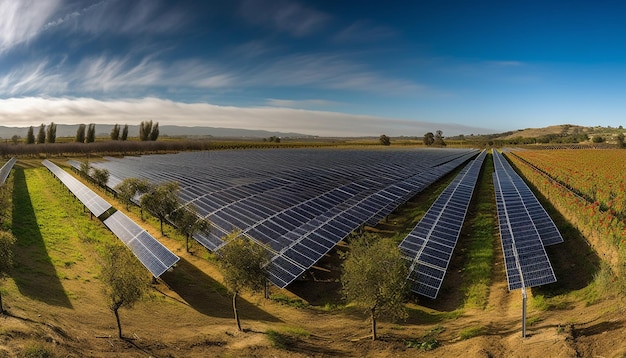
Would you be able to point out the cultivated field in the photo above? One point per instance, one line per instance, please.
(57, 308)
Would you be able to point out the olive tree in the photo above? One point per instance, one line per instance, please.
(189, 223)
(374, 278)
(131, 187)
(7, 242)
(384, 140)
(161, 200)
(125, 280)
(100, 176)
(242, 263)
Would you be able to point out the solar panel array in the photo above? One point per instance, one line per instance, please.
(6, 170)
(92, 201)
(429, 246)
(150, 252)
(525, 228)
(299, 203)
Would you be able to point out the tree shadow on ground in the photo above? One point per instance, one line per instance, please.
(208, 296)
(34, 274)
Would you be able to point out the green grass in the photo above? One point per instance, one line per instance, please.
(482, 226)
(52, 240)
(293, 302)
(471, 332)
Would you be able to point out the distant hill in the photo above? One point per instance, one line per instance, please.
(103, 130)
(562, 129)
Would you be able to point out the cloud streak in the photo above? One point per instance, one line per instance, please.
(21, 112)
(22, 20)
(291, 17)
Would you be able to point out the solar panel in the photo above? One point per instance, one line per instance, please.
(92, 201)
(6, 170)
(526, 261)
(429, 246)
(297, 202)
(150, 252)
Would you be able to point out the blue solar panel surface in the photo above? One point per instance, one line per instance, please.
(429, 246)
(297, 202)
(6, 170)
(526, 261)
(150, 252)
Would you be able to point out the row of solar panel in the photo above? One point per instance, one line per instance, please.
(375, 207)
(150, 252)
(525, 228)
(282, 198)
(6, 170)
(92, 201)
(429, 246)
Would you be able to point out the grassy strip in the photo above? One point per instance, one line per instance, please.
(54, 237)
(481, 225)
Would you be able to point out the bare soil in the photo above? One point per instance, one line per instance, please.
(189, 314)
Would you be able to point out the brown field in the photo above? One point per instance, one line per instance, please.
(56, 307)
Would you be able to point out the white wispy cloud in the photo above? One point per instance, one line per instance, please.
(287, 16)
(21, 20)
(126, 74)
(28, 111)
(364, 31)
(328, 71)
(128, 17)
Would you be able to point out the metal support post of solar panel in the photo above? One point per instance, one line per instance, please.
(523, 229)
(150, 252)
(297, 202)
(429, 246)
(6, 170)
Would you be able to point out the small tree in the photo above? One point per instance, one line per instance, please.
(429, 138)
(101, 176)
(161, 200)
(91, 133)
(242, 263)
(30, 135)
(85, 169)
(154, 133)
(439, 139)
(51, 136)
(125, 280)
(131, 187)
(80, 133)
(15, 139)
(144, 130)
(374, 277)
(115, 132)
(384, 140)
(7, 243)
(41, 136)
(125, 132)
(189, 223)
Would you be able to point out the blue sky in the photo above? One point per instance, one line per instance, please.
(331, 68)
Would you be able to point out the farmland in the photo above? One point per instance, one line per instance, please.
(59, 247)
